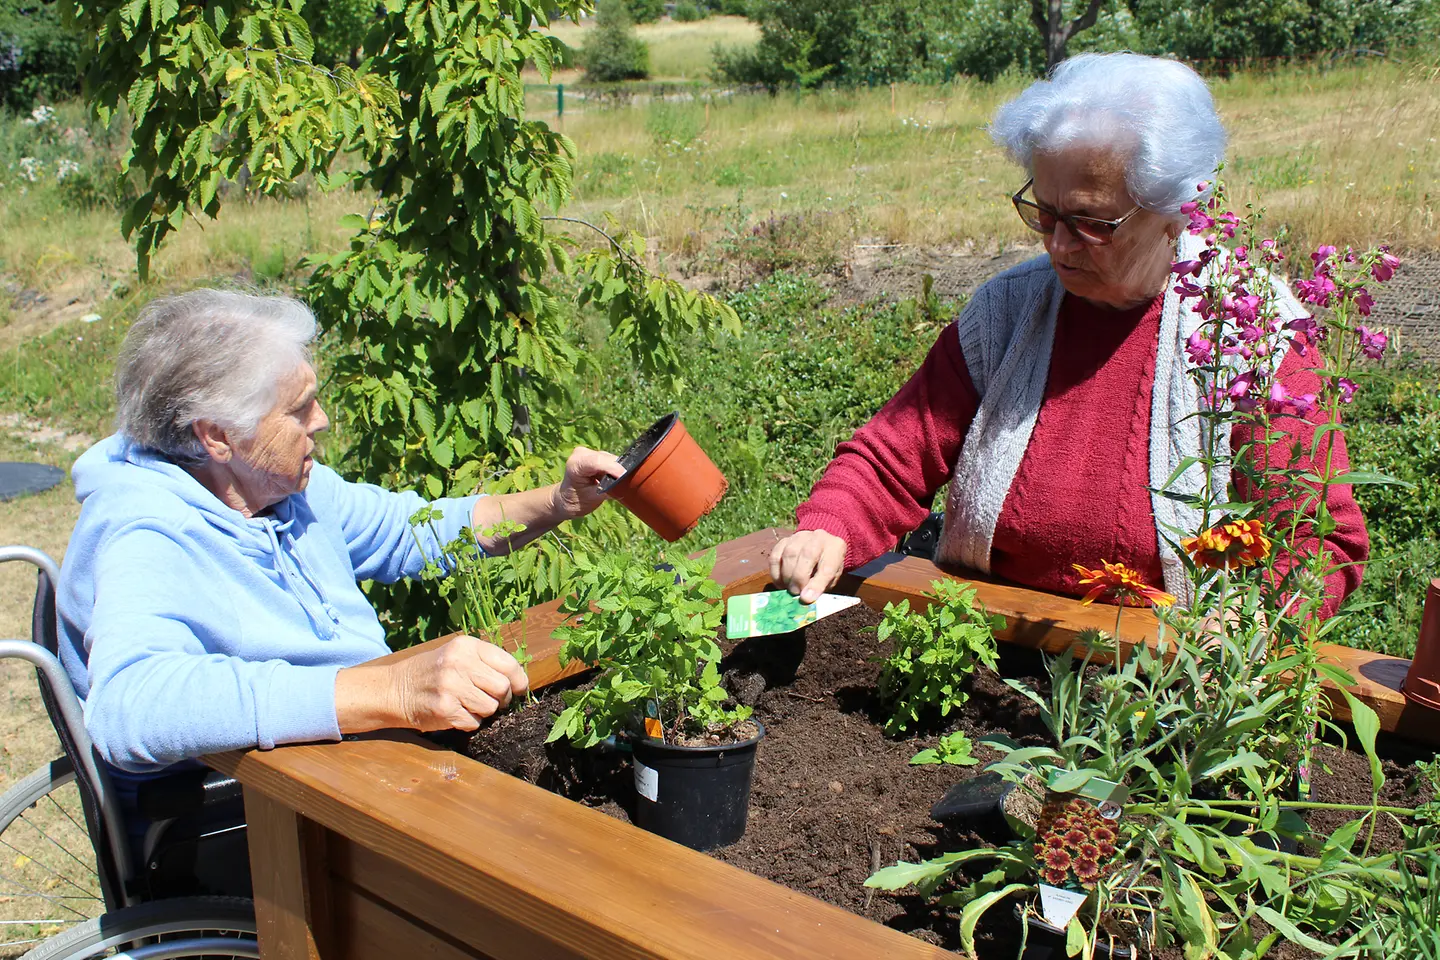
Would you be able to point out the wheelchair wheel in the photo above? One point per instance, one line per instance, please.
(187, 927)
(48, 878)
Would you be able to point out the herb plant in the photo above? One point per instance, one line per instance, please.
(463, 575)
(651, 632)
(934, 650)
(953, 748)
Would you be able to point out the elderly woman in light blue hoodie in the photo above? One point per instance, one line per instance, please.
(209, 598)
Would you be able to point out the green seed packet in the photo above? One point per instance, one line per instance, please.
(761, 614)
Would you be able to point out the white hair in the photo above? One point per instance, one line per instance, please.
(213, 355)
(1158, 111)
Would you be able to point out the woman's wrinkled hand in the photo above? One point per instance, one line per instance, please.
(452, 687)
(457, 685)
(578, 492)
(807, 563)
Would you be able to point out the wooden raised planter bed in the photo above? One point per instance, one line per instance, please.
(390, 846)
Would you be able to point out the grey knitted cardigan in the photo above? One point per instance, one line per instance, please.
(1006, 333)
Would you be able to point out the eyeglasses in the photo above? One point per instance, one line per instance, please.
(1090, 230)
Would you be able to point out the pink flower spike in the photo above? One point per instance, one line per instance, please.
(1372, 343)
(1278, 398)
(1199, 349)
(1384, 268)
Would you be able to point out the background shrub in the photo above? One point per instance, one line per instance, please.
(642, 11)
(39, 55)
(689, 13)
(613, 51)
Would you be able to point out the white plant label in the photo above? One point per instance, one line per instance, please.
(1057, 905)
(647, 781)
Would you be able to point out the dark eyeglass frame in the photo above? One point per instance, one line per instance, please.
(1091, 230)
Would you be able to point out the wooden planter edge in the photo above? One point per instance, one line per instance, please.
(493, 865)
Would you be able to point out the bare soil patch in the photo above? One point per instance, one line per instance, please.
(1409, 305)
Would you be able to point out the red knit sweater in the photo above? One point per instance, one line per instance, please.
(1080, 495)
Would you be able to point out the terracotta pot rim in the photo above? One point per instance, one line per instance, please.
(618, 486)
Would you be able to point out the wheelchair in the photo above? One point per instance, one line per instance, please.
(77, 880)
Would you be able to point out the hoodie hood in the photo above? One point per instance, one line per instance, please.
(133, 482)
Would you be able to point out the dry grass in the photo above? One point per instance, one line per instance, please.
(1347, 155)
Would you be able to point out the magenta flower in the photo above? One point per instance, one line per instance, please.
(1187, 268)
(1278, 400)
(1200, 221)
(1308, 327)
(1363, 302)
(1322, 253)
(1384, 268)
(1346, 388)
(1188, 290)
(1372, 342)
(1199, 349)
(1319, 290)
(1271, 251)
(1239, 391)
(1302, 404)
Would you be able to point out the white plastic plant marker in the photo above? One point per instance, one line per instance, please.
(763, 614)
(647, 780)
(1058, 905)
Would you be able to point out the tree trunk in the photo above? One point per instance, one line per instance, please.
(1055, 30)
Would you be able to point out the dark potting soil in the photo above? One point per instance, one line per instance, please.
(834, 799)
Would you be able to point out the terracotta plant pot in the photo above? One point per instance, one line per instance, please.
(1422, 683)
(669, 482)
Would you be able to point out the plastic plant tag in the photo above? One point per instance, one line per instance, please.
(1106, 793)
(762, 614)
(647, 780)
(653, 728)
(1057, 905)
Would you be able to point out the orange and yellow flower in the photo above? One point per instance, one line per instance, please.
(1238, 543)
(1120, 582)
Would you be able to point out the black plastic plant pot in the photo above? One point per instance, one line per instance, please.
(1044, 942)
(698, 796)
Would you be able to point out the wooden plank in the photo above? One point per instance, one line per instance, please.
(562, 872)
(368, 929)
(438, 906)
(287, 869)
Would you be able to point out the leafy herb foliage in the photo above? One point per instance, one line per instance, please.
(934, 650)
(651, 632)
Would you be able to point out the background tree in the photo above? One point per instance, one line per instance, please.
(645, 11)
(613, 51)
(1057, 26)
(39, 54)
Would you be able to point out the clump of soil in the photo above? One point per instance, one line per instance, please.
(834, 799)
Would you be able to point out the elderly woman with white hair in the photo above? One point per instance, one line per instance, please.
(209, 599)
(1057, 405)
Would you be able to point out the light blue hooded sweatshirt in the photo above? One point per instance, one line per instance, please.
(189, 629)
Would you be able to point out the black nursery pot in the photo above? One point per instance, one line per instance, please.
(1044, 942)
(698, 796)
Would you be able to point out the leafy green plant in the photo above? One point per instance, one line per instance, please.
(650, 631)
(933, 651)
(464, 580)
(953, 748)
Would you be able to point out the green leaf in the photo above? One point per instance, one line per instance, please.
(976, 908)
(1293, 933)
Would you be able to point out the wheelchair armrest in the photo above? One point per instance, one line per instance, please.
(184, 794)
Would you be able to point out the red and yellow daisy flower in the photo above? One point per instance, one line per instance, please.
(1117, 581)
(1236, 543)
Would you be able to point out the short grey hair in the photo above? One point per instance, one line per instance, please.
(217, 355)
(1158, 110)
